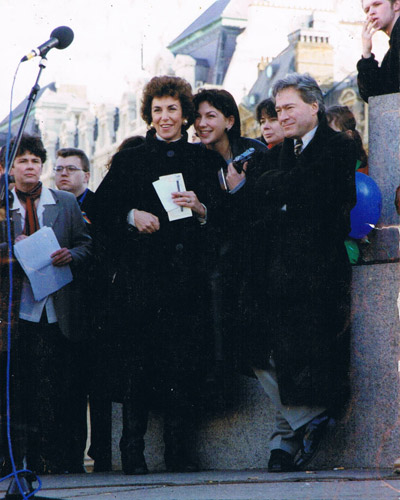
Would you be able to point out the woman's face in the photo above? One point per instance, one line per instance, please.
(166, 115)
(271, 130)
(211, 124)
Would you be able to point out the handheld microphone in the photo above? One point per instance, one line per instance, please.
(61, 37)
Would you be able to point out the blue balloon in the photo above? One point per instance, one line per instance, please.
(368, 208)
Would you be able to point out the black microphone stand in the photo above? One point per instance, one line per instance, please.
(21, 484)
(31, 100)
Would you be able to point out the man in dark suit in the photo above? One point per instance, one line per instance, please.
(72, 174)
(41, 348)
(299, 348)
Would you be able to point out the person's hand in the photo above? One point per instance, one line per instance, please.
(20, 238)
(61, 257)
(146, 222)
(189, 199)
(233, 178)
(367, 33)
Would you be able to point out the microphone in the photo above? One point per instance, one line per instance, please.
(60, 38)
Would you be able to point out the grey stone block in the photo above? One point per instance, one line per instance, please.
(369, 433)
(384, 168)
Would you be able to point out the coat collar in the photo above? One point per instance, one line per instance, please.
(155, 145)
(48, 203)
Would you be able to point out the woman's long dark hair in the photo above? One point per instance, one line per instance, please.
(346, 122)
(224, 102)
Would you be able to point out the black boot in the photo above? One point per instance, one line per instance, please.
(133, 462)
(176, 455)
(134, 428)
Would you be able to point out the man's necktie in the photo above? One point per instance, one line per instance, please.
(297, 147)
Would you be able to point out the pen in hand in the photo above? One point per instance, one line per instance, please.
(179, 190)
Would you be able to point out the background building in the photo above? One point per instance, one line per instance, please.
(243, 46)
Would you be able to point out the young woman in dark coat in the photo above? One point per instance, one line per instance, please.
(162, 315)
(217, 124)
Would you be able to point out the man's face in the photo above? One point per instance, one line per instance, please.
(27, 169)
(295, 116)
(71, 178)
(381, 13)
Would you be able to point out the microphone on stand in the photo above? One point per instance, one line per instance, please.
(60, 38)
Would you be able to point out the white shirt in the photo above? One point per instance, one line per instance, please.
(30, 309)
(307, 138)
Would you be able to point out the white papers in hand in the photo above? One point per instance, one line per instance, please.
(33, 253)
(165, 186)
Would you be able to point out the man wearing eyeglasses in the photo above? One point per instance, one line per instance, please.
(72, 174)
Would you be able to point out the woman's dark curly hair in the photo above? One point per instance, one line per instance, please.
(223, 101)
(29, 143)
(161, 86)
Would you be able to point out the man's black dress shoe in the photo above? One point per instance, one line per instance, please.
(177, 460)
(102, 466)
(76, 468)
(134, 464)
(280, 461)
(313, 433)
(6, 467)
(181, 466)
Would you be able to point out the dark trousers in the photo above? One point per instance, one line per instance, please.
(147, 390)
(5, 462)
(84, 390)
(42, 356)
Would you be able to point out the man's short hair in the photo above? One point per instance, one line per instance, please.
(66, 152)
(29, 143)
(307, 87)
(391, 1)
(266, 107)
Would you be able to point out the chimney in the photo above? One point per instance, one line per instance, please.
(313, 54)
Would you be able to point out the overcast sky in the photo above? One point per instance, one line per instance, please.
(105, 53)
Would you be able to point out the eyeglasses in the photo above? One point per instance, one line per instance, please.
(70, 168)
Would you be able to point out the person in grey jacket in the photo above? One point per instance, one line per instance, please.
(41, 342)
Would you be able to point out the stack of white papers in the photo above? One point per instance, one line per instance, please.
(33, 253)
(165, 186)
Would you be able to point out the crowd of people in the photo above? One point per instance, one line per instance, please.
(188, 266)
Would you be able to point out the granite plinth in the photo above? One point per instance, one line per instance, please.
(384, 168)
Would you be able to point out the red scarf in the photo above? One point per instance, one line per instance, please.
(31, 218)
